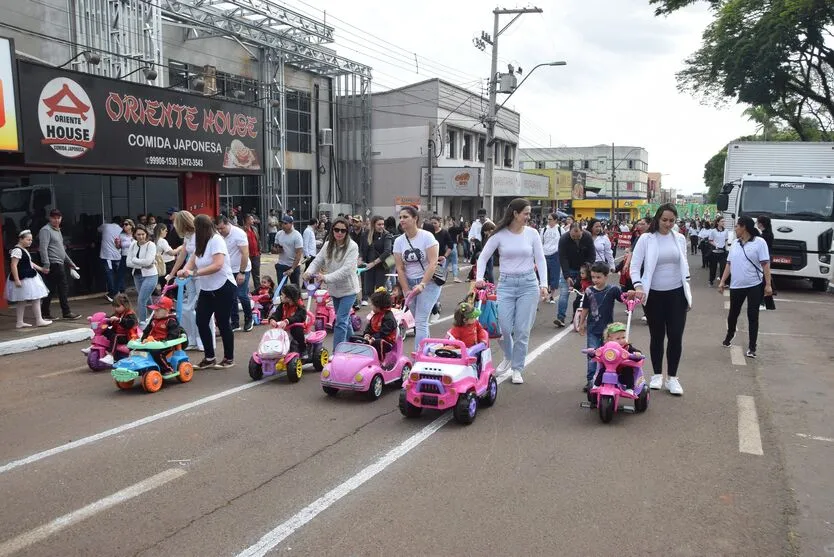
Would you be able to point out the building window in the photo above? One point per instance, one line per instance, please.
(629, 186)
(300, 193)
(586, 165)
(481, 148)
(496, 153)
(299, 127)
(540, 165)
(630, 164)
(467, 147)
(239, 191)
(453, 145)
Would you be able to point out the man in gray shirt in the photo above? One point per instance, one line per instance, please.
(54, 257)
(290, 246)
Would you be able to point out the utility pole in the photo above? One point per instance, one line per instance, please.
(493, 92)
(431, 162)
(613, 186)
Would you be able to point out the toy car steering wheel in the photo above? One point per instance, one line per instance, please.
(445, 353)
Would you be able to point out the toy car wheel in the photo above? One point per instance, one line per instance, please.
(466, 409)
(642, 402)
(294, 370)
(406, 408)
(256, 370)
(124, 385)
(319, 324)
(331, 391)
(606, 408)
(320, 358)
(406, 371)
(403, 330)
(375, 388)
(186, 372)
(152, 381)
(491, 393)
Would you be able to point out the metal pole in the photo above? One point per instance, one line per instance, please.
(490, 138)
(431, 152)
(613, 185)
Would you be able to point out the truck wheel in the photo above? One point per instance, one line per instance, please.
(819, 284)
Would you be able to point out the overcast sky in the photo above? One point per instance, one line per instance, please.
(619, 85)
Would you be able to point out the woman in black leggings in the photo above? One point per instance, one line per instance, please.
(718, 257)
(660, 272)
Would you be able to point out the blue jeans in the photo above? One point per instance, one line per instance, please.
(518, 296)
(564, 293)
(553, 271)
(421, 307)
(453, 262)
(594, 341)
(294, 276)
(120, 275)
(111, 274)
(242, 296)
(342, 329)
(144, 289)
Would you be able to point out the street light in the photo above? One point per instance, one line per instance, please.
(491, 120)
(150, 73)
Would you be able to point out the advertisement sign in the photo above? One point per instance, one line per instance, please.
(624, 239)
(72, 118)
(400, 202)
(9, 129)
(509, 183)
(577, 185)
(455, 182)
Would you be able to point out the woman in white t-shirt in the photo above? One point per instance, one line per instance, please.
(718, 257)
(212, 270)
(520, 249)
(164, 250)
(602, 244)
(141, 259)
(125, 241)
(748, 265)
(550, 243)
(415, 254)
(184, 226)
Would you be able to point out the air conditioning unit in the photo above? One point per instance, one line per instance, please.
(326, 137)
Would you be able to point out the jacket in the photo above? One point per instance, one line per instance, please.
(340, 272)
(143, 258)
(644, 259)
(382, 326)
(573, 255)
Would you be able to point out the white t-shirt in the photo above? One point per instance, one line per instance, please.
(550, 239)
(746, 263)
(605, 253)
(667, 272)
(414, 255)
(475, 230)
(127, 241)
(289, 242)
(162, 248)
(234, 241)
(109, 233)
(718, 239)
(216, 280)
(309, 238)
(519, 252)
(272, 224)
(703, 234)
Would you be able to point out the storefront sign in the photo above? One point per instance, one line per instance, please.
(450, 182)
(400, 202)
(71, 118)
(509, 183)
(9, 129)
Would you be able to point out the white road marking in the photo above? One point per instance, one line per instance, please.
(128, 426)
(726, 292)
(63, 372)
(271, 539)
(726, 305)
(803, 302)
(42, 532)
(737, 356)
(749, 436)
(815, 438)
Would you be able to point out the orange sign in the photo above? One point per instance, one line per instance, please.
(9, 130)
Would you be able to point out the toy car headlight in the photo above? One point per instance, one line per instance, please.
(325, 373)
(446, 380)
(358, 378)
(414, 377)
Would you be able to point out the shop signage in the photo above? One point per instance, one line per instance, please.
(72, 118)
(9, 129)
(450, 182)
(400, 202)
(509, 183)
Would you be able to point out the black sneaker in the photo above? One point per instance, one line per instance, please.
(248, 325)
(728, 340)
(225, 364)
(751, 354)
(206, 363)
(587, 386)
(71, 316)
(559, 323)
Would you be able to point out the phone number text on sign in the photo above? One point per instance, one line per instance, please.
(173, 161)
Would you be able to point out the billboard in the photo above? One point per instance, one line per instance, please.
(577, 185)
(72, 118)
(9, 129)
(450, 181)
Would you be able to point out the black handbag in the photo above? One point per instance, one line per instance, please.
(439, 276)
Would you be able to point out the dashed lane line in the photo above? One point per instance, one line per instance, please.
(815, 438)
(737, 356)
(63, 372)
(63, 522)
(749, 435)
(281, 532)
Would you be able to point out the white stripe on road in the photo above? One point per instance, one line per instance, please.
(815, 438)
(42, 532)
(63, 372)
(749, 436)
(726, 305)
(726, 292)
(737, 356)
(281, 532)
(803, 302)
(128, 426)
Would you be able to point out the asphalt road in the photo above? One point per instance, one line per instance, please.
(740, 465)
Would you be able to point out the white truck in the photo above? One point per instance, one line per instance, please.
(790, 182)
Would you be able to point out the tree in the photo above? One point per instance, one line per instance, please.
(775, 55)
(714, 174)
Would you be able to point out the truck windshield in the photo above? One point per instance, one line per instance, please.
(788, 200)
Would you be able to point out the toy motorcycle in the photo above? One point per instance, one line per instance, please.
(100, 345)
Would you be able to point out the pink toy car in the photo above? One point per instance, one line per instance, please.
(447, 374)
(100, 344)
(356, 367)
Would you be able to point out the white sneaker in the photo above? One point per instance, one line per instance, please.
(107, 360)
(643, 318)
(517, 379)
(364, 303)
(656, 382)
(458, 280)
(435, 317)
(629, 392)
(86, 351)
(674, 386)
(503, 366)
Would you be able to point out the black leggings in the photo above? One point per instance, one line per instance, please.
(218, 303)
(753, 295)
(666, 315)
(694, 241)
(717, 262)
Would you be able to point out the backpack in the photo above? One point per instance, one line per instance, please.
(489, 318)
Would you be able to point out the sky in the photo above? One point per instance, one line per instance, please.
(619, 84)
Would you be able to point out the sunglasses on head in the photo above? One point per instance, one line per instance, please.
(340, 230)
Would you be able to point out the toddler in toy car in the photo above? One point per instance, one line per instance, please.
(291, 312)
(162, 326)
(616, 332)
(263, 295)
(381, 331)
(123, 327)
(467, 328)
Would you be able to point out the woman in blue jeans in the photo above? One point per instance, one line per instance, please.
(415, 254)
(141, 259)
(335, 268)
(520, 249)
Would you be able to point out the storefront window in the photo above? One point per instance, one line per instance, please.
(300, 193)
(240, 191)
(299, 118)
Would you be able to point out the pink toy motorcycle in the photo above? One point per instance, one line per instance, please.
(100, 345)
(610, 356)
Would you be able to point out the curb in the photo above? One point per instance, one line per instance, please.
(45, 341)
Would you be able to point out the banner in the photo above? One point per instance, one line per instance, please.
(685, 210)
(9, 129)
(450, 181)
(72, 118)
(577, 185)
(624, 239)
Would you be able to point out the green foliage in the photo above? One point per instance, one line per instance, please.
(714, 175)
